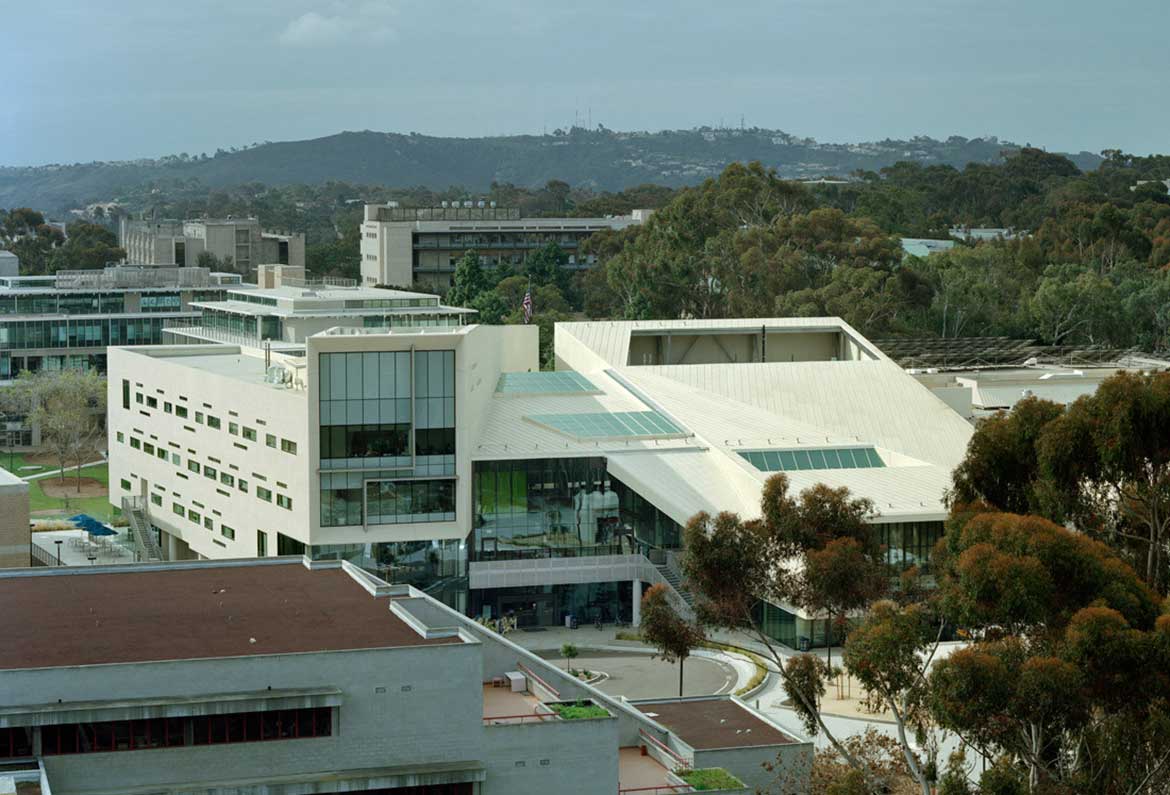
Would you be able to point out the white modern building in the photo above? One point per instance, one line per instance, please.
(438, 455)
(288, 676)
(238, 242)
(402, 246)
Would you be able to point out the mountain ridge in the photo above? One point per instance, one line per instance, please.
(601, 159)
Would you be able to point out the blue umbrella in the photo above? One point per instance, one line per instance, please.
(91, 525)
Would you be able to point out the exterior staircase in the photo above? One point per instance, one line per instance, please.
(144, 544)
(675, 581)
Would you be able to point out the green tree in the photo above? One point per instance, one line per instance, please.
(664, 628)
(88, 246)
(470, 280)
(68, 406)
(570, 652)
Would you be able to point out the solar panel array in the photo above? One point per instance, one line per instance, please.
(618, 424)
(810, 458)
(549, 383)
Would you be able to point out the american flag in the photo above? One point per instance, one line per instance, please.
(526, 305)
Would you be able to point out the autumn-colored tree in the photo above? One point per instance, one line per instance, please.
(1000, 468)
(889, 653)
(1106, 467)
(1065, 634)
(761, 553)
(662, 626)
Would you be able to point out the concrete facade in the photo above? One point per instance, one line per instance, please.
(404, 246)
(242, 241)
(408, 713)
(14, 521)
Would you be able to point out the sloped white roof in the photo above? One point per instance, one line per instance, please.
(737, 407)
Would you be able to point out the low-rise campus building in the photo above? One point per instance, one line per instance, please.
(402, 246)
(438, 455)
(289, 676)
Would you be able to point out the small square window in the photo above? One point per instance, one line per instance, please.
(269, 440)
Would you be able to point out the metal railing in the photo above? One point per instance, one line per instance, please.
(136, 512)
(41, 557)
(533, 675)
(505, 720)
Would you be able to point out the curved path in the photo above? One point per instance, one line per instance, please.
(636, 675)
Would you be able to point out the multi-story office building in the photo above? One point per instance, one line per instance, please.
(288, 676)
(439, 456)
(65, 321)
(238, 240)
(402, 246)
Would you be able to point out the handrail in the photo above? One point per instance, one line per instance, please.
(662, 746)
(521, 666)
(657, 788)
(523, 717)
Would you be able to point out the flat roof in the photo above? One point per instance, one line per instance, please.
(708, 723)
(154, 613)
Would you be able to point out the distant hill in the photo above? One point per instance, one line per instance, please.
(601, 159)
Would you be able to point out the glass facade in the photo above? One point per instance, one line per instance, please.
(438, 567)
(904, 544)
(560, 507)
(909, 544)
(387, 432)
(549, 605)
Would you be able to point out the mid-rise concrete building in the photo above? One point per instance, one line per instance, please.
(438, 455)
(239, 241)
(289, 676)
(404, 246)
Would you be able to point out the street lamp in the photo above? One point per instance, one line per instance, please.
(59, 542)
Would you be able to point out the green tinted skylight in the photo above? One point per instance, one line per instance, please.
(814, 458)
(618, 424)
(562, 382)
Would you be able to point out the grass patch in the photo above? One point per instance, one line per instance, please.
(97, 507)
(710, 778)
(579, 710)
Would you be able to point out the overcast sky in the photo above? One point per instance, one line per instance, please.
(87, 80)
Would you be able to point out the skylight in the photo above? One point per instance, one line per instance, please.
(563, 382)
(813, 458)
(614, 425)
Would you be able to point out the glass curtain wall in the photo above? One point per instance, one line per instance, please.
(550, 605)
(561, 507)
(387, 432)
(909, 544)
(438, 567)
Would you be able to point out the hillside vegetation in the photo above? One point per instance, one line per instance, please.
(598, 159)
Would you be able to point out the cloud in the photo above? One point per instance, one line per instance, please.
(367, 22)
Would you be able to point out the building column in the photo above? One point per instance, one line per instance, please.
(637, 616)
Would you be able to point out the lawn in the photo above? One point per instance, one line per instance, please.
(15, 463)
(97, 507)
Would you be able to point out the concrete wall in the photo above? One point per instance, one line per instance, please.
(573, 757)
(14, 529)
(430, 712)
(265, 408)
(792, 765)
